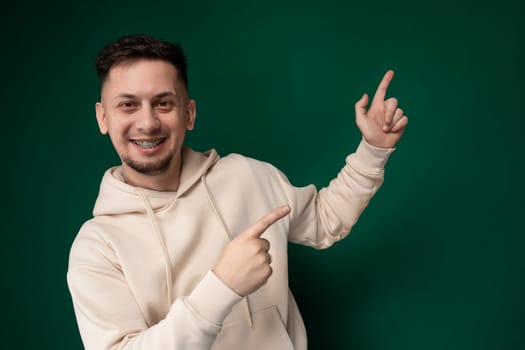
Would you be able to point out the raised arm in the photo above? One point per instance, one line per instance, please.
(321, 218)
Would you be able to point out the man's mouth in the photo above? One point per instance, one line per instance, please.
(148, 144)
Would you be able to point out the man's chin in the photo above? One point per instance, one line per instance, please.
(149, 168)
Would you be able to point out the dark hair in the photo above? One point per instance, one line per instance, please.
(132, 47)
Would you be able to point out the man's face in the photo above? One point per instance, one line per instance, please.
(146, 111)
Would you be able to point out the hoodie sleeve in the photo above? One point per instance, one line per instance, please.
(319, 219)
(109, 318)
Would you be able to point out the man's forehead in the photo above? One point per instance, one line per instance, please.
(131, 76)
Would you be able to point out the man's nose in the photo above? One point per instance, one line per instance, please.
(147, 120)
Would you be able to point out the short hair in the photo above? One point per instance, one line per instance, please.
(132, 47)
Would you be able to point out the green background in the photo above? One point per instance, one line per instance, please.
(436, 261)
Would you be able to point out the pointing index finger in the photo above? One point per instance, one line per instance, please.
(383, 86)
(257, 229)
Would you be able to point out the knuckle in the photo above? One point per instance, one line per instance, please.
(266, 273)
(247, 249)
(269, 271)
(267, 219)
(262, 261)
(258, 246)
(251, 247)
(266, 223)
(265, 243)
(392, 102)
(261, 225)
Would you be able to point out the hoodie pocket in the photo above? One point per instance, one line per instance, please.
(268, 332)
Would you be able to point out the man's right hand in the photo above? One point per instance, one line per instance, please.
(244, 265)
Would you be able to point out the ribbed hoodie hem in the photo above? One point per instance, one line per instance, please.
(212, 299)
(370, 157)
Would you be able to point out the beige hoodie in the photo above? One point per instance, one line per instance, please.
(140, 271)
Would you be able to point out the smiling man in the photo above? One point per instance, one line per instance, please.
(186, 249)
(146, 111)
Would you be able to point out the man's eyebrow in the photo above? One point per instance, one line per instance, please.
(165, 94)
(159, 95)
(123, 95)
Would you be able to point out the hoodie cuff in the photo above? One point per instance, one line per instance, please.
(212, 299)
(371, 157)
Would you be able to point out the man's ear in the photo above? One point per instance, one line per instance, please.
(191, 114)
(101, 118)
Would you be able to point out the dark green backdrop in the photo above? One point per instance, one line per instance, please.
(436, 260)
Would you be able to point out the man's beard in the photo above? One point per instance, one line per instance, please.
(149, 169)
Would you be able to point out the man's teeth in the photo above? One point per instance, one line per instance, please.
(148, 144)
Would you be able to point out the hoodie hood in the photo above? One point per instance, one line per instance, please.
(117, 197)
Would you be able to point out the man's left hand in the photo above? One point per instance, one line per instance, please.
(383, 124)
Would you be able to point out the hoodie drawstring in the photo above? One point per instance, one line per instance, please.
(229, 236)
(167, 262)
(156, 230)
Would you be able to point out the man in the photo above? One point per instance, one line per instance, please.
(188, 250)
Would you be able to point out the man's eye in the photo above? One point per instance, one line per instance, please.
(126, 105)
(166, 105)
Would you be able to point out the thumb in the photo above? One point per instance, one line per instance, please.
(256, 230)
(360, 107)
